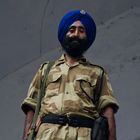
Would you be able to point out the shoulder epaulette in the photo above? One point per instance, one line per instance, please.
(97, 66)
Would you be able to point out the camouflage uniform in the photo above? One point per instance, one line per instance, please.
(64, 95)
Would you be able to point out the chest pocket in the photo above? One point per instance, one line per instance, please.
(53, 84)
(85, 84)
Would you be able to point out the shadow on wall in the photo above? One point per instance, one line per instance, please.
(137, 138)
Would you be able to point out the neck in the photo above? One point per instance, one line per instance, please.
(70, 60)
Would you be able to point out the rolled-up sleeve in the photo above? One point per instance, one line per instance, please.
(107, 98)
(31, 100)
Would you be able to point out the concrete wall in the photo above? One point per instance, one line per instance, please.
(21, 24)
(116, 47)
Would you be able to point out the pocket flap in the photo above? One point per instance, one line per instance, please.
(86, 78)
(54, 77)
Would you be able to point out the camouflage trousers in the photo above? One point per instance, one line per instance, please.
(58, 132)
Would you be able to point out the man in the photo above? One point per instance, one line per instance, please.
(71, 86)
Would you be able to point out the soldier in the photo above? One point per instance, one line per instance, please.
(67, 109)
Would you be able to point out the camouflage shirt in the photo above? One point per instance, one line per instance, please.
(67, 89)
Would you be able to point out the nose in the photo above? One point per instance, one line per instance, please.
(76, 33)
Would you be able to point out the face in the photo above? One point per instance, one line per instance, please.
(77, 29)
(75, 41)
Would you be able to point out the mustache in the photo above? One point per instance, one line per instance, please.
(70, 39)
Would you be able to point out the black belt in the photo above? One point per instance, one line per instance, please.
(75, 121)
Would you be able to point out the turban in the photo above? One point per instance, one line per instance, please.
(84, 18)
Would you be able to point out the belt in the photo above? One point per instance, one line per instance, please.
(74, 120)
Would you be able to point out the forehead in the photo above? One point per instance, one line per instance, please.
(77, 24)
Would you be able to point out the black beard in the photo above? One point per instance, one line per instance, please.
(74, 46)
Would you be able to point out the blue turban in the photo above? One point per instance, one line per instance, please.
(73, 16)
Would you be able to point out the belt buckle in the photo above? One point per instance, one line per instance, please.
(62, 120)
(72, 121)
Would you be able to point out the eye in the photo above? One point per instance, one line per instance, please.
(82, 30)
(71, 30)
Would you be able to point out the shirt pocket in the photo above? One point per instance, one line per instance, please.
(84, 84)
(53, 85)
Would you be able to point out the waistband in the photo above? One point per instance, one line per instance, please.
(74, 120)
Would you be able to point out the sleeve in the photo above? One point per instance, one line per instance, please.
(31, 100)
(107, 98)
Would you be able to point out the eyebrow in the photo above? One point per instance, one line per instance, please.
(73, 26)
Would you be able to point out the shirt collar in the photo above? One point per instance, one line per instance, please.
(62, 59)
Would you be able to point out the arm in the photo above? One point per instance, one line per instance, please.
(108, 105)
(27, 125)
(29, 104)
(109, 114)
